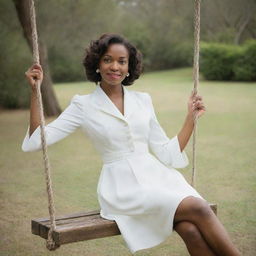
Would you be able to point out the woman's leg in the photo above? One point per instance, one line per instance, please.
(193, 239)
(198, 212)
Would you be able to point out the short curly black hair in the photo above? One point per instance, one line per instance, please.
(98, 47)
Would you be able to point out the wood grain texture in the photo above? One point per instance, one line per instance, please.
(79, 227)
(76, 227)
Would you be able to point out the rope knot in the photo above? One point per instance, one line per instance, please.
(50, 243)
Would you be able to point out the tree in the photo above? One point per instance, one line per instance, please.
(51, 105)
(228, 21)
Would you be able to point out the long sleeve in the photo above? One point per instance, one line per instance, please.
(165, 149)
(69, 120)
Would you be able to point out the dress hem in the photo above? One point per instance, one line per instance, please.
(161, 240)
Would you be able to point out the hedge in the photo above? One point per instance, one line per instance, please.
(228, 62)
(245, 66)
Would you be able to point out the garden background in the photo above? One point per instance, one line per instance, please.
(163, 31)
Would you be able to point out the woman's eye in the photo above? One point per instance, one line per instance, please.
(106, 60)
(123, 62)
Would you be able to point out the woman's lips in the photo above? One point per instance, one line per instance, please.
(114, 76)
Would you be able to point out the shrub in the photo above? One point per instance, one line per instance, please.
(229, 62)
(64, 66)
(15, 59)
(165, 55)
(245, 65)
(217, 60)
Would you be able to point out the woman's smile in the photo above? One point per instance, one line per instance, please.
(114, 76)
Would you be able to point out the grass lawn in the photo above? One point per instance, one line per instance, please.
(226, 164)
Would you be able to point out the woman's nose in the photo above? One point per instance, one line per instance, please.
(114, 65)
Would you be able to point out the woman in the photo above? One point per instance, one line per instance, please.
(138, 185)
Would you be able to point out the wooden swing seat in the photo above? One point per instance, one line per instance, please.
(79, 227)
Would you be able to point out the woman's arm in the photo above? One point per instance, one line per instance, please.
(33, 74)
(66, 123)
(165, 149)
(196, 108)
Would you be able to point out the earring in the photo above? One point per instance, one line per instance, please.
(127, 74)
(97, 70)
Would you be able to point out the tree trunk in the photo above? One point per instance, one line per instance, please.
(51, 105)
(243, 26)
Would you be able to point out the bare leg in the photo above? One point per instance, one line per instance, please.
(193, 239)
(198, 212)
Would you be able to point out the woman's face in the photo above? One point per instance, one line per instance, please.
(114, 65)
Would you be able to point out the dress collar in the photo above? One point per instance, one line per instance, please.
(104, 103)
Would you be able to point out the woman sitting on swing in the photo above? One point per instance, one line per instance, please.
(139, 186)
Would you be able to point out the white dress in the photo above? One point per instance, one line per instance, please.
(138, 186)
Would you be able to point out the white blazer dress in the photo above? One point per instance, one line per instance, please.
(138, 186)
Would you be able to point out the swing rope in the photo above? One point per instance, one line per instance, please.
(50, 244)
(196, 82)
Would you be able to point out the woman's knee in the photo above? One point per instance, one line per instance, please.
(200, 207)
(192, 207)
(188, 231)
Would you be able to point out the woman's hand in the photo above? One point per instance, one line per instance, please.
(196, 106)
(33, 74)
